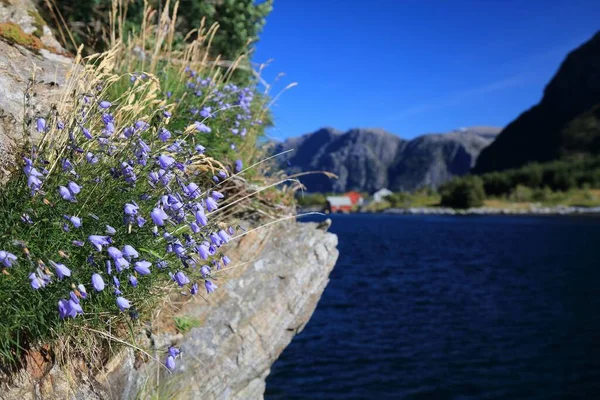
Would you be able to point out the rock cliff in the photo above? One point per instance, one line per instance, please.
(30, 59)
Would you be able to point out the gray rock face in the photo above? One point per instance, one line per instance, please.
(370, 159)
(18, 64)
(243, 327)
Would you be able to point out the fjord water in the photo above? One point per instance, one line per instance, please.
(430, 307)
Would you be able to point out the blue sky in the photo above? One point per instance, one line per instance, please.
(415, 66)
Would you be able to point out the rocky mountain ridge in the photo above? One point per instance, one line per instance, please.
(371, 159)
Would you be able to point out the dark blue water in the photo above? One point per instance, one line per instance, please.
(427, 307)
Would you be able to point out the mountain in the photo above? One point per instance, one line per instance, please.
(566, 121)
(371, 159)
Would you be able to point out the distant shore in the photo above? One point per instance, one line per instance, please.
(532, 210)
(557, 210)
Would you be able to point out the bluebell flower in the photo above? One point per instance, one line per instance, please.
(141, 221)
(159, 216)
(200, 149)
(77, 243)
(165, 161)
(192, 190)
(153, 176)
(7, 258)
(205, 271)
(142, 267)
(181, 279)
(164, 134)
(174, 351)
(223, 174)
(76, 221)
(128, 131)
(74, 307)
(38, 281)
(226, 260)
(211, 204)
(108, 265)
(133, 281)
(238, 166)
(116, 282)
(170, 363)
(61, 270)
(114, 253)
(34, 183)
(121, 263)
(74, 188)
(131, 209)
(60, 125)
(205, 112)
(98, 241)
(194, 289)
(194, 227)
(201, 127)
(86, 132)
(97, 282)
(210, 287)
(123, 303)
(203, 251)
(129, 252)
(110, 230)
(41, 125)
(104, 104)
(224, 236)
(63, 308)
(141, 125)
(179, 249)
(91, 158)
(215, 239)
(109, 129)
(66, 164)
(66, 194)
(217, 195)
(82, 291)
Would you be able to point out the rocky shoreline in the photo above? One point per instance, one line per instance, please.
(532, 210)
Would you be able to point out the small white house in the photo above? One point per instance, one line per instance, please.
(380, 195)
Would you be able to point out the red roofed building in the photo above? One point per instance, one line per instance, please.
(339, 204)
(355, 197)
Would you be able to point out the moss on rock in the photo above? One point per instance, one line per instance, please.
(13, 34)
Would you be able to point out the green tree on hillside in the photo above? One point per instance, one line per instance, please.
(465, 192)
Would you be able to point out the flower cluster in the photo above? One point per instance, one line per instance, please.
(205, 102)
(160, 217)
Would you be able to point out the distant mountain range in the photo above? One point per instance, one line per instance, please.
(371, 159)
(565, 122)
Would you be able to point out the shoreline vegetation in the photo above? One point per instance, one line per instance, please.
(428, 202)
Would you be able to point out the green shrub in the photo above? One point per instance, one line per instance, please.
(521, 194)
(465, 192)
(240, 21)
